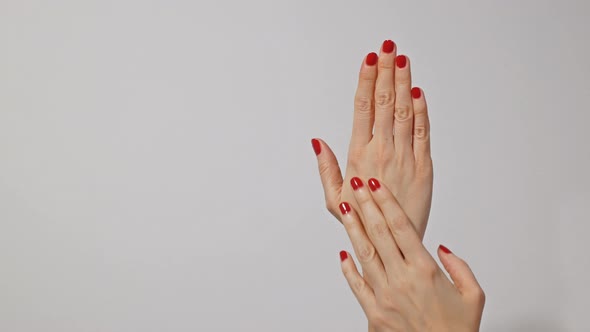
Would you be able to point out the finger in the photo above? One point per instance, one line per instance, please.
(360, 288)
(385, 92)
(461, 274)
(330, 175)
(373, 269)
(376, 228)
(399, 224)
(421, 132)
(404, 113)
(364, 115)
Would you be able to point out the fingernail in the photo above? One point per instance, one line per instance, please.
(371, 59)
(444, 249)
(388, 46)
(316, 146)
(401, 61)
(343, 255)
(416, 92)
(344, 207)
(356, 183)
(374, 184)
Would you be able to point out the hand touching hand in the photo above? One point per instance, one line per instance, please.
(402, 287)
(385, 103)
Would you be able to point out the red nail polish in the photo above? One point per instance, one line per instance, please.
(356, 183)
(444, 249)
(371, 59)
(388, 46)
(401, 61)
(416, 93)
(374, 184)
(343, 255)
(317, 148)
(344, 207)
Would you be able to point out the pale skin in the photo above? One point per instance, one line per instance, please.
(402, 287)
(391, 141)
(384, 104)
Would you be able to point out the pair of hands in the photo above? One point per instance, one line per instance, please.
(402, 288)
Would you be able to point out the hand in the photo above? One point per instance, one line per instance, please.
(385, 103)
(403, 289)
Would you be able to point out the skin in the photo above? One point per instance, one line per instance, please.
(403, 288)
(383, 104)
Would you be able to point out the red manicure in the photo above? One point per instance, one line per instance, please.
(356, 183)
(371, 59)
(401, 61)
(344, 207)
(316, 146)
(388, 46)
(416, 92)
(444, 249)
(343, 255)
(374, 184)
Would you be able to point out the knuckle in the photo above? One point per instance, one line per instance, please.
(324, 168)
(399, 225)
(402, 113)
(355, 158)
(366, 253)
(421, 133)
(359, 286)
(379, 230)
(386, 301)
(427, 266)
(385, 63)
(478, 296)
(424, 169)
(384, 98)
(363, 104)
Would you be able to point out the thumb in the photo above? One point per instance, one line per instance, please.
(461, 274)
(330, 175)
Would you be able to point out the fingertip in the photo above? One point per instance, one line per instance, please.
(416, 92)
(317, 146)
(444, 249)
(343, 255)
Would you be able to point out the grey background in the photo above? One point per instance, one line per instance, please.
(156, 172)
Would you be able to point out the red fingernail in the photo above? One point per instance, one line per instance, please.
(401, 61)
(416, 93)
(316, 146)
(388, 46)
(371, 59)
(444, 249)
(374, 184)
(343, 255)
(344, 207)
(356, 183)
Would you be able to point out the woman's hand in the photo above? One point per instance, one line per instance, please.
(385, 103)
(402, 287)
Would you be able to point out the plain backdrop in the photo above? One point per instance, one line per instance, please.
(156, 171)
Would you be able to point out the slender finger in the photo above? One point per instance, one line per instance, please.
(330, 175)
(376, 227)
(360, 288)
(385, 92)
(404, 110)
(373, 269)
(399, 224)
(461, 274)
(421, 132)
(364, 113)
